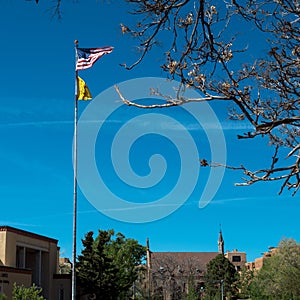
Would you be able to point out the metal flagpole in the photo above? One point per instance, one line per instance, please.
(75, 180)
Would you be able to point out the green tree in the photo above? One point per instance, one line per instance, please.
(26, 293)
(192, 292)
(244, 283)
(127, 256)
(280, 274)
(220, 274)
(3, 297)
(108, 265)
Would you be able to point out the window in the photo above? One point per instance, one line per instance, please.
(236, 258)
(61, 294)
(20, 257)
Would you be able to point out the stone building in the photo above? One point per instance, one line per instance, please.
(170, 273)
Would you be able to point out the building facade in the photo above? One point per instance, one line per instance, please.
(257, 264)
(170, 274)
(237, 258)
(27, 258)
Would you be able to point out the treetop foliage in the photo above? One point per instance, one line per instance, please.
(280, 274)
(27, 293)
(108, 265)
(220, 273)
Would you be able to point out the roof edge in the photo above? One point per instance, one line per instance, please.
(28, 234)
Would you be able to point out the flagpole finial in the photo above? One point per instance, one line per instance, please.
(76, 42)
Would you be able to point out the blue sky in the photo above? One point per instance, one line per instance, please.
(36, 130)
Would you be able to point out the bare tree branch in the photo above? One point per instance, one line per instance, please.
(203, 50)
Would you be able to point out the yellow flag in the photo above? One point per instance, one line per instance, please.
(83, 92)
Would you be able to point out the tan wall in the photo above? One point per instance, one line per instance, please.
(2, 247)
(47, 248)
(8, 278)
(11, 240)
(10, 250)
(250, 265)
(259, 263)
(240, 264)
(61, 282)
(50, 268)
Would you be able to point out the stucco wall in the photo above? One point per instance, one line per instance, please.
(9, 276)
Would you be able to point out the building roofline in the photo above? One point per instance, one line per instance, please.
(184, 255)
(28, 234)
(188, 252)
(15, 270)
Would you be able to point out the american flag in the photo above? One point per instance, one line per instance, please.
(86, 57)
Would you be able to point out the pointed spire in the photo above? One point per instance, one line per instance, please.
(148, 254)
(221, 242)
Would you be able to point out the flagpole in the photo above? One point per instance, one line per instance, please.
(93, 55)
(75, 180)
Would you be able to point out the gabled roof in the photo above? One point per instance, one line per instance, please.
(203, 256)
(183, 258)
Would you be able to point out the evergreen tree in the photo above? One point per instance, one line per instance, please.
(108, 266)
(220, 274)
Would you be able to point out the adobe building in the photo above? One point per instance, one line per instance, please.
(237, 258)
(27, 258)
(258, 263)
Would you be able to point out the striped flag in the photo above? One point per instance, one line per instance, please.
(86, 57)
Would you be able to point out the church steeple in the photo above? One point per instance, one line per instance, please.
(148, 254)
(221, 243)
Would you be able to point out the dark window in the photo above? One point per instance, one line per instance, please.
(20, 257)
(61, 294)
(236, 258)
